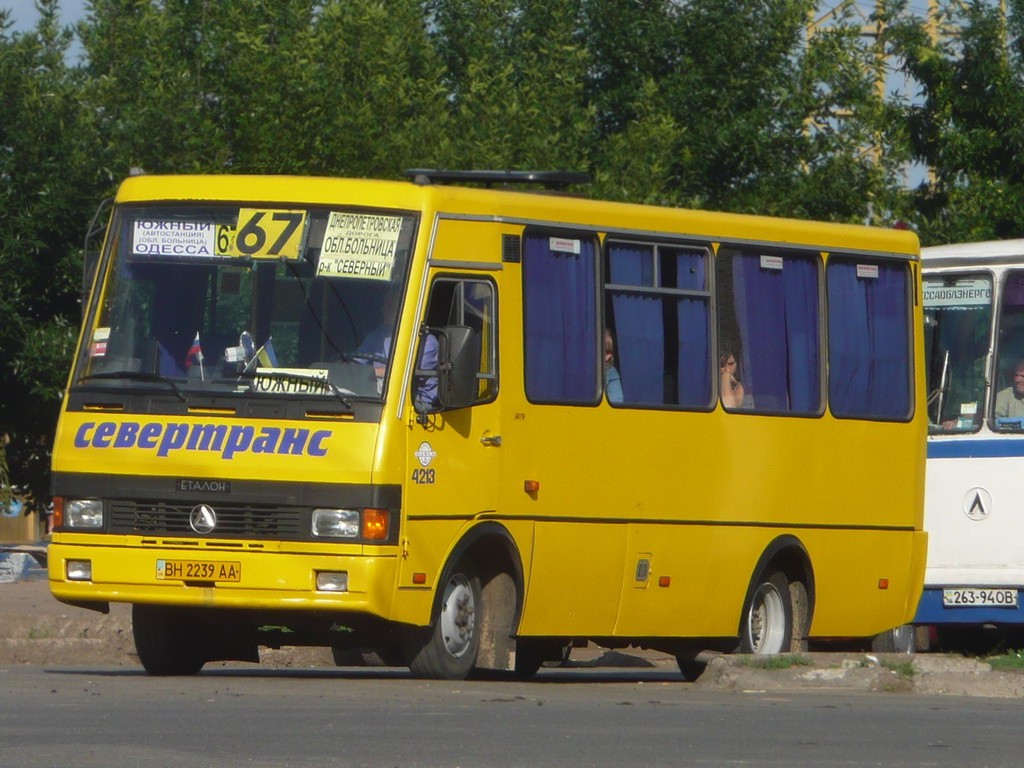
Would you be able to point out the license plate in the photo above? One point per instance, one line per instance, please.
(198, 570)
(979, 597)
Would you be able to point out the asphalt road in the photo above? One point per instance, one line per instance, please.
(584, 717)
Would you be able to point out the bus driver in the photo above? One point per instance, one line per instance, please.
(1010, 401)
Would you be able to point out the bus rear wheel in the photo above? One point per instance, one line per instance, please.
(166, 641)
(448, 649)
(767, 626)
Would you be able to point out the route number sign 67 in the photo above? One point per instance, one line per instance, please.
(262, 234)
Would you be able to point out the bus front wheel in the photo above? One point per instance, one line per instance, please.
(901, 639)
(448, 649)
(768, 616)
(166, 642)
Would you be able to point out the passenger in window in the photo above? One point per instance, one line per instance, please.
(732, 388)
(612, 380)
(1010, 401)
(426, 386)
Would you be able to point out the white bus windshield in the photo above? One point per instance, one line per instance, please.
(958, 322)
(231, 299)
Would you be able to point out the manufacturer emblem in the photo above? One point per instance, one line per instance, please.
(425, 454)
(202, 518)
(189, 485)
(977, 504)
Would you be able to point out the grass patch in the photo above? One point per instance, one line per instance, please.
(1010, 660)
(778, 661)
(901, 668)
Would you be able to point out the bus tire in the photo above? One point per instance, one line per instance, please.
(901, 639)
(691, 667)
(361, 657)
(529, 659)
(165, 641)
(447, 650)
(531, 655)
(767, 625)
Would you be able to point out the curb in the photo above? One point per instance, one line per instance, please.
(19, 561)
(14, 567)
(878, 673)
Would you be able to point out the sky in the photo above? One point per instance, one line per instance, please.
(24, 15)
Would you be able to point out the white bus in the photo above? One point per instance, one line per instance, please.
(974, 497)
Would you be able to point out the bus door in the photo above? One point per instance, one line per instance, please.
(454, 452)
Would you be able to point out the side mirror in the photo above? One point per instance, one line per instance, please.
(458, 388)
(446, 369)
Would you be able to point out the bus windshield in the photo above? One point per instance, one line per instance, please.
(232, 299)
(958, 322)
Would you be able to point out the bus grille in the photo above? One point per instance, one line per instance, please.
(233, 520)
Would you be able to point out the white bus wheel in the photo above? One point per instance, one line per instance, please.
(768, 617)
(449, 648)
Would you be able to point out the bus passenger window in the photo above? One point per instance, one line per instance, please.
(560, 318)
(768, 319)
(658, 309)
(1009, 386)
(869, 353)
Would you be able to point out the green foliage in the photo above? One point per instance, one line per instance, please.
(261, 86)
(516, 75)
(1012, 660)
(969, 126)
(48, 184)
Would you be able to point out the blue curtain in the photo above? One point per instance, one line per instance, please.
(560, 295)
(869, 341)
(777, 314)
(694, 372)
(651, 371)
(640, 336)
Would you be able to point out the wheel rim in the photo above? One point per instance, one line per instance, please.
(458, 615)
(766, 621)
(903, 638)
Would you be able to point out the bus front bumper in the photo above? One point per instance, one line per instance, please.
(259, 578)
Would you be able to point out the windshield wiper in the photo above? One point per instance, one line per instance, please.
(312, 378)
(139, 376)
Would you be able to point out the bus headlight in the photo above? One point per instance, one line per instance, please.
(78, 570)
(336, 523)
(83, 513)
(332, 581)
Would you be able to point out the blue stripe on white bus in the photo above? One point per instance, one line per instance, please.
(976, 449)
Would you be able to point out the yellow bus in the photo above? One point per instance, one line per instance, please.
(465, 424)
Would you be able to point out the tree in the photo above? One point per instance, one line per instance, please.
(336, 87)
(733, 107)
(47, 187)
(515, 73)
(968, 124)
